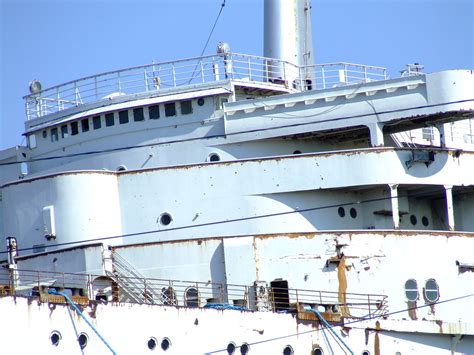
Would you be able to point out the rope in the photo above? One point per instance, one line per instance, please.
(73, 305)
(329, 327)
(213, 27)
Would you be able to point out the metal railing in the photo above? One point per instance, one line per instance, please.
(157, 76)
(194, 294)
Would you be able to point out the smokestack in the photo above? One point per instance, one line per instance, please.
(287, 37)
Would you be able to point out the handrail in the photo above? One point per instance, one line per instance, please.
(196, 70)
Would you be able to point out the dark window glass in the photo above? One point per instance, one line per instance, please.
(154, 112)
(411, 290)
(74, 128)
(341, 212)
(54, 135)
(45, 134)
(109, 119)
(186, 107)
(64, 131)
(413, 219)
(85, 125)
(138, 114)
(353, 212)
(96, 122)
(123, 117)
(170, 109)
(425, 221)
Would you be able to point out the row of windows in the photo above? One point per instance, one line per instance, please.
(110, 119)
(430, 290)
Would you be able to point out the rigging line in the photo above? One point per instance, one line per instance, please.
(208, 39)
(207, 224)
(226, 134)
(351, 322)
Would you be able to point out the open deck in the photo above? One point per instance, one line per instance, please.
(192, 71)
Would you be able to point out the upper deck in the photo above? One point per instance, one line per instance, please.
(154, 77)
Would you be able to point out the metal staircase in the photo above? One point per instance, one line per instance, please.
(134, 287)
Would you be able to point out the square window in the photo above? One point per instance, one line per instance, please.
(96, 123)
(186, 107)
(154, 112)
(64, 131)
(170, 109)
(85, 125)
(74, 128)
(123, 117)
(109, 119)
(138, 114)
(54, 135)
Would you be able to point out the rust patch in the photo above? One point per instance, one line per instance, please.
(341, 292)
(376, 344)
(412, 310)
(440, 325)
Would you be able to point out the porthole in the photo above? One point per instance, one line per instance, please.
(200, 101)
(318, 351)
(165, 344)
(55, 338)
(411, 290)
(353, 212)
(341, 212)
(121, 168)
(288, 350)
(425, 221)
(165, 219)
(431, 291)
(152, 343)
(366, 352)
(230, 348)
(413, 219)
(297, 152)
(83, 339)
(191, 297)
(214, 157)
(244, 349)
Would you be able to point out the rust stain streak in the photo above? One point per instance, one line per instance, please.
(341, 276)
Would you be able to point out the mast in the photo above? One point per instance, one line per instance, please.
(288, 38)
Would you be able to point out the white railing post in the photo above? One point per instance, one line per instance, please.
(174, 74)
(145, 78)
(202, 72)
(250, 68)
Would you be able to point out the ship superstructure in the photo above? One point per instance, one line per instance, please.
(243, 204)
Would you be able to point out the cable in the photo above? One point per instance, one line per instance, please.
(226, 134)
(351, 322)
(215, 223)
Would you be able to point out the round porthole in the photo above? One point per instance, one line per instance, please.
(244, 349)
(200, 101)
(297, 152)
(214, 157)
(288, 350)
(83, 339)
(431, 291)
(165, 219)
(366, 352)
(318, 351)
(55, 338)
(353, 212)
(413, 219)
(425, 221)
(411, 290)
(151, 343)
(231, 348)
(121, 168)
(165, 344)
(341, 212)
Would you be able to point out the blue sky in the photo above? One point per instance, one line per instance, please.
(61, 40)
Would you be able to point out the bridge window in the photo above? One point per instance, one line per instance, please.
(109, 119)
(191, 297)
(154, 112)
(170, 109)
(64, 131)
(186, 107)
(54, 135)
(123, 117)
(74, 128)
(96, 123)
(431, 291)
(85, 125)
(411, 290)
(138, 114)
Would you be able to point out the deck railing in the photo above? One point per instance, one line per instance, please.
(158, 76)
(194, 294)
